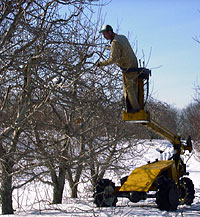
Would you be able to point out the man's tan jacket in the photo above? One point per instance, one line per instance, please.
(121, 53)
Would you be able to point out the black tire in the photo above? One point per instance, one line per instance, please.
(104, 195)
(136, 196)
(187, 192)
(167, 195)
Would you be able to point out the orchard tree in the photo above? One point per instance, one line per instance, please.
(36, 48)
(60, 115)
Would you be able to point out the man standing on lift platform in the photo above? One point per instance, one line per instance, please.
(122, 54)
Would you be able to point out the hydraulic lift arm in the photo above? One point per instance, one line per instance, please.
(144, 118)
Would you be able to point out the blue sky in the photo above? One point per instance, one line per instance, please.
(166, 28)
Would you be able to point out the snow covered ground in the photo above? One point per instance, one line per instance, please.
(34, 199)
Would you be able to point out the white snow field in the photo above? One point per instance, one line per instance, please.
(35, 198)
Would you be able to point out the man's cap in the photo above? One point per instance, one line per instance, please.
(106, 28)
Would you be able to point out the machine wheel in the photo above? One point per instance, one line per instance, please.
(167, 195)
(104, 195)
(186, 189)
(136, 196)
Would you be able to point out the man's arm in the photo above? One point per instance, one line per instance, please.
(114, 56)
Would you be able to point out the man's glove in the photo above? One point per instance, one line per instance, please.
(99, 64)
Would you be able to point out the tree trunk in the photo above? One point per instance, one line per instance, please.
(7, 170)
(74, 193)
(57, 194)
(73, 183)
(6, 189)
(59, 183)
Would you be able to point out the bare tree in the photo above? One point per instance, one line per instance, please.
(34, 42)
(16, 81)
(60, 115)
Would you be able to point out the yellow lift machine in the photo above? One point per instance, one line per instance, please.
(164, 180)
